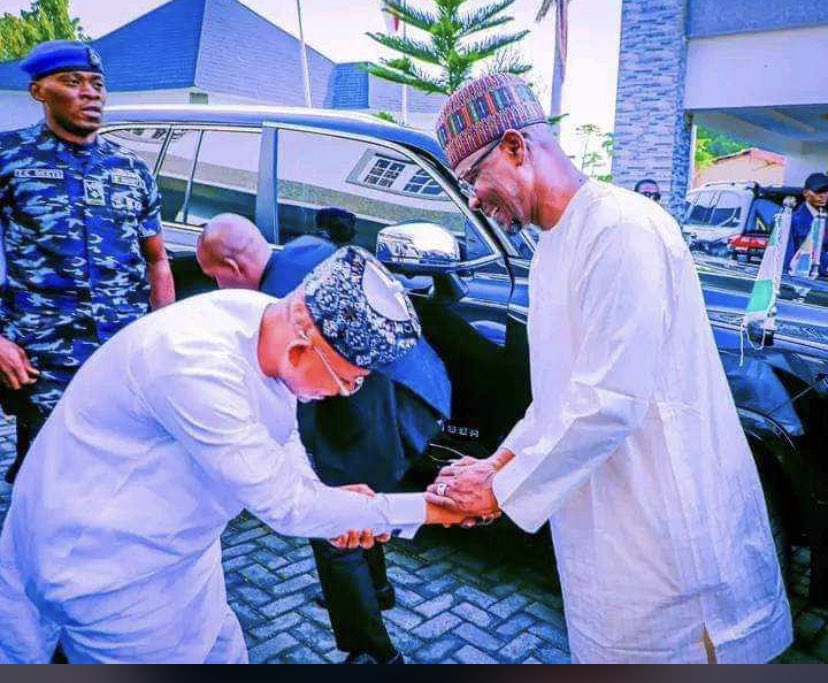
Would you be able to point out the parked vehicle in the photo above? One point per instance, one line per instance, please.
(733, 219)
(469, 280)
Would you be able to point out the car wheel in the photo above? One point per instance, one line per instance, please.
(774, 501)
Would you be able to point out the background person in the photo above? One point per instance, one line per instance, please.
(815, 191)
(81, 234)
(649, 188)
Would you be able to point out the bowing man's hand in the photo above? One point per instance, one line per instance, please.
(359, 539)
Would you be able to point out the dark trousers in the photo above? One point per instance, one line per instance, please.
(350, 579)
(30, 420)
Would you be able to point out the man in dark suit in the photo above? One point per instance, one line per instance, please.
(816, 199)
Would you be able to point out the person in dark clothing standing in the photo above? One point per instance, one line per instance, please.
(815, 192)
(369, 437)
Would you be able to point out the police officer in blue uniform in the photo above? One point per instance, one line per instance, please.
(81, 235)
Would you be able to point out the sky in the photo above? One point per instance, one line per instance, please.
(337, 29)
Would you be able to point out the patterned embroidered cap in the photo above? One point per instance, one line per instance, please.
(56, 56)
(482, 111)
(361, 309)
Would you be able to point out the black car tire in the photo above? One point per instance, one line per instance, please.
(775, 502)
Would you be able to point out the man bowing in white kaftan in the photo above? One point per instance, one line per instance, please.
(632, 447)
(184, 418)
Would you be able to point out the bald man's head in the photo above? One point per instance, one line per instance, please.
(233, 252)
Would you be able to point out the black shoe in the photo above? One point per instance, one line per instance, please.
(365, 658)
(11, 473)
(386, 597)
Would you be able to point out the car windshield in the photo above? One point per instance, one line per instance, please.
(713, 209)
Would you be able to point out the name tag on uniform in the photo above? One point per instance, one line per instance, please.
(39, 173)
(125, 178)
(93, 193)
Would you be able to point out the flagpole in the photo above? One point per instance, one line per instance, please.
(305, 72)
(405, 87)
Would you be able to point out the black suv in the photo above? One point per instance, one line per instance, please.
(468, 279)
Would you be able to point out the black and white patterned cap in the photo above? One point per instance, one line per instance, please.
(361, 309)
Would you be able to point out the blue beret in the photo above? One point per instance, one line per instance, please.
(361, 309)
(57, 56)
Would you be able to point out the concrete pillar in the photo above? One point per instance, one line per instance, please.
(652, 132)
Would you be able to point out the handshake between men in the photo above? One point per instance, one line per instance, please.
(461, 495)
(465, 487)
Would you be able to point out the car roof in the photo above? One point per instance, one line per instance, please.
(256, 116)
(750, 186)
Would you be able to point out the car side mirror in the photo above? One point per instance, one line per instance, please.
(418, 248)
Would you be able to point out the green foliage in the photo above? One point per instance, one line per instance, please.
(45, 20)
(443, 58)
(386, 116)
(595, 157)
(556, 120)
(711, 145)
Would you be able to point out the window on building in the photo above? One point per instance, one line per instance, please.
(316, 171)
(384, 172)
(422, 183)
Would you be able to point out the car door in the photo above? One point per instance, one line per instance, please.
(464, 315)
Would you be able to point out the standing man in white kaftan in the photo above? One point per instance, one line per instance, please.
(183, 419)
(632, 447)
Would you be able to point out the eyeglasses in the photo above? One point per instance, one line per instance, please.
(344, 389)
(655, 196)
(342, 385)
(468, 178)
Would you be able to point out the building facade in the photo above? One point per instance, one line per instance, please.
(755, 71)
(757, 165)
(220, 52)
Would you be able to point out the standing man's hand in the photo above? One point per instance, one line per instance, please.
(162, 286)
(466, 486)
(15, 369)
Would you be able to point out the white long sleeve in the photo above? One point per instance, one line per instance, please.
(206, 409)
(623, 315)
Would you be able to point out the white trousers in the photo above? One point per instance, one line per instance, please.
(28, 636)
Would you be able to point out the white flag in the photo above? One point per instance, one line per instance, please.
(805, 262)
(766, 287)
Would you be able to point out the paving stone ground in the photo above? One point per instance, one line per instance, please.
(487, 595)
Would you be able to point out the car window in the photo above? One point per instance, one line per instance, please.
(225, 178)
(700, 207)
(764, 214)
(727, 211)
(146, 143)
(379, 186)
(175, 172)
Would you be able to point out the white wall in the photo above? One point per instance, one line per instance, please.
(18, 109)
(800, 166)
(758, 69)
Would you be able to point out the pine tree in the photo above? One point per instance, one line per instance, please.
(45, 20)
(443, 59)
